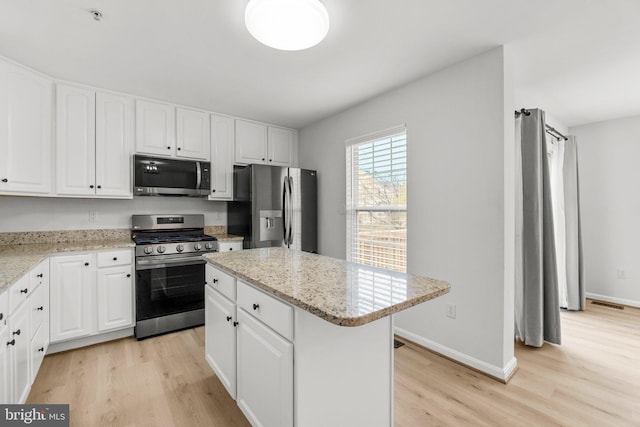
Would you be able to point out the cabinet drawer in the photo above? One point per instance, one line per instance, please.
(39, 275)
(112, 258)
(38, 309)
(18, 293)
(234, 245)
(275, 314)
(221, 281)
(4, 308)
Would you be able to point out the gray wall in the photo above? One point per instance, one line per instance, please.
(456, 121)
(608, 156)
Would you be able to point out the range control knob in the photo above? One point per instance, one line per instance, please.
(180, 248)
(148, 250)
(197, 246)
(161, 249)
(208, 245)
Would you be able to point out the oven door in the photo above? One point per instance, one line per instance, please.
(169, 285)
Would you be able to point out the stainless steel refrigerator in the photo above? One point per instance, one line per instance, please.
(274, 206)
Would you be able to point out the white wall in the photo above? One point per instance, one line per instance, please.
(44, 213)
(608, 156)
(456, 121)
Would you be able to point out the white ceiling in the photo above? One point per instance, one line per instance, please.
(577, 59)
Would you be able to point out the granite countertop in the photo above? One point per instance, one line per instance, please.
(17, 259)
(341, 292)
(228, 237)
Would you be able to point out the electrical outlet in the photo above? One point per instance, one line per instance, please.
(451, 310)
(93, 216)
(622, 274)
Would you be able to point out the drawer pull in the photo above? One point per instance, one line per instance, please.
(128, 274)
(228, 318)
(1, 316)
(256, 306)
(215, 280)
(230, 249)
(40, 275)
(12, 342)
(24, 291)
(86, 264)
(235, 324)
(115, 258)
(16, 332)
(41, 349)
(40, 308)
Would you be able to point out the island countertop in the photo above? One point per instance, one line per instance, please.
(341, 292)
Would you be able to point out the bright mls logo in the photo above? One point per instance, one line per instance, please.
(36, 415)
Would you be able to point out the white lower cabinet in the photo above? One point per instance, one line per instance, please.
(233, 245)
(220, 338)
(265, 374)
(4, 363)
(72, 296)
(19, 349)
(115, 298)
(86, 298)
(253, 362)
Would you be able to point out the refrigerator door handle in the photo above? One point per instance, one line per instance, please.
(290, 214)
(285, 208)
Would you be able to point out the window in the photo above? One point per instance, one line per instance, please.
(377, 199)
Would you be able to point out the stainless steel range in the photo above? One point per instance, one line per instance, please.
(170, 272)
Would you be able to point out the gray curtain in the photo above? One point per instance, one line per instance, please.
(573, 228)
(540, 300)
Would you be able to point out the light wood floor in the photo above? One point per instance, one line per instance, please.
(592, 379)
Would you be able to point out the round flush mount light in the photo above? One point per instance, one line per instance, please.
(287, 24)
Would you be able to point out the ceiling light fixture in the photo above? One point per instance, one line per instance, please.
(287, 24)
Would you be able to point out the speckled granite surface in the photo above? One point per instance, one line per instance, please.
(227, 237)
(338, 291)
(17, 259)
(31, 237)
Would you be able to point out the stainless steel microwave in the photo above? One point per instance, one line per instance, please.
(156, 176)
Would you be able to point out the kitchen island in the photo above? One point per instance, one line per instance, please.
(312, 336)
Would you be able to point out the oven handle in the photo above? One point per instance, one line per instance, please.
(149, 264)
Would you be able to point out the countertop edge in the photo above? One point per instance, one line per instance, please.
(336, 320)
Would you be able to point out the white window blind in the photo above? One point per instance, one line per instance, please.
(377, 199)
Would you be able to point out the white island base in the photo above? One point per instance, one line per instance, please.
(343, 376)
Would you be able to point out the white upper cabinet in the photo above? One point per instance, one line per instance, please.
(262, 144)
(193, 134)
(222, 139)
(155, 128)
(114, 144)
(251, 142)
(280, 146)
(94, 136)
(25, 130)
(75, 140)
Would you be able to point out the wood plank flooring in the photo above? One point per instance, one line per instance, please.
(592, 379)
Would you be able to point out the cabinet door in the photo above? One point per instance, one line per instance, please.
(5, 373)
(220, 338)
(251, 142)
(193, 134)
(222, 137)
(25, 130)
(155, 128)
(265, 374)
(115, 298)
(75, 140)
(19, 351)
(38, 348)
(114, 144)
(280, 146)
(72, 297)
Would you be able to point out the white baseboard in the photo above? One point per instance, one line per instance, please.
(629, 302)
(500, 373)
(94, 339)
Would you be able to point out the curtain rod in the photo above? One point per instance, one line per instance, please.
(550, 129)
